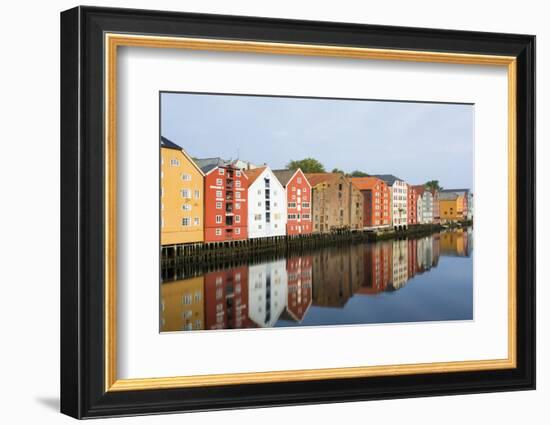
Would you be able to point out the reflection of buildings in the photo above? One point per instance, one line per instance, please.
(331, 275)
(299, 272)
(455, 243)
(378, 268)
(412, 245)
(226, 298)
(267, 292)
(400, 264)
(425, 253)
(182, 305)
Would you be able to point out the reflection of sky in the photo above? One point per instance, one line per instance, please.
(443, 293)
(415, 141)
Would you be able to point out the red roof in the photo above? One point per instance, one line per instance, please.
(366, 183)
(253, 174)
(316, 178)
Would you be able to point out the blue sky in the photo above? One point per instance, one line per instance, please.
(415, 141)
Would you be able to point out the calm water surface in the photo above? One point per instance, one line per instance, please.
(413, 280)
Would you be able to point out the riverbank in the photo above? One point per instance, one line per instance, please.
(219, 252)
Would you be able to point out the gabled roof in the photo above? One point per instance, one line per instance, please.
(208, 164)
(316, 178)
(388, 178)
(284, 176)
(419, 188)
(165, 143)
(448, 196)
(254, 174)
(455, 190)
(366, 183)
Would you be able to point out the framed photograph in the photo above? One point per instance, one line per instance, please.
(261, 212)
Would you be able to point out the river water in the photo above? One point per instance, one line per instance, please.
(414, 280)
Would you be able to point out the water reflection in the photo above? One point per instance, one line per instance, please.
(392, 281)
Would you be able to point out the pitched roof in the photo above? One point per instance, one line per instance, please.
(165, 143)
(448, 196)
(208, 164)
(366, 183)
(253, 174)
(420, 188)
(284, 176)
(455, 190)
(316, 178)
(388, 178)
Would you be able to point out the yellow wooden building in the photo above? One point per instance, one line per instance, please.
(181, 197)
(451, 207)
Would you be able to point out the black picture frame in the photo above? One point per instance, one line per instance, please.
(82, 212)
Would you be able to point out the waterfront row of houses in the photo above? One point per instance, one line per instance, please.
(258, 295)
(214, 200)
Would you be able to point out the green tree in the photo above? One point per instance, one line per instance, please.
(358, 173)
(307, 165)
(337, 170)
(433, 185)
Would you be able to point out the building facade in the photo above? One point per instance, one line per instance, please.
(399, 199)
(181, 196)
(436, 216)
(413, 206)
(376, 202)
(337, 203)
(298, 201)
(225, 201)
(266, 204)
(467, 201)
(426, 212)
(451, 207)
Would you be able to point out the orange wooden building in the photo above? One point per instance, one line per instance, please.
(376, 201)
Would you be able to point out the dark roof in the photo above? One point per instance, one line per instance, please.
(165, 143)
(455, 190)
(388, 178)
(207, 164)
(284, 175)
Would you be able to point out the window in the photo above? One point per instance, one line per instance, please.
(292, 205)
(299, 180)
(238, 231)
(259, 191)
(219, 182)
(186, 193)
(197, 221)
(187, 299)
(305, 204)
(221, 171)
(238, 183)
(218, 232)
(218, 194)
(257, 217)
(218, 205)
(238, 195)
(186, 221)
(197, 194)
(305, 216)
(238, 206)
(218, 219)
(174, 162)
(260, 203)
(340, 186)
(186, 207)
(238, 173)
(186, 177)
(294, 188)
(237, 219)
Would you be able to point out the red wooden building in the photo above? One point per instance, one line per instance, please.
(412, 203)
(225, 201)
(298, 192)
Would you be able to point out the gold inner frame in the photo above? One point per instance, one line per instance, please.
(113, 41)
